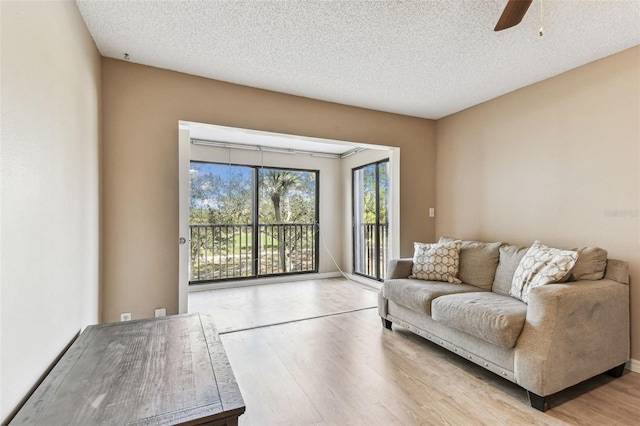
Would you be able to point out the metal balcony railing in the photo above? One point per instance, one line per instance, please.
(369, 258)
(221, 251)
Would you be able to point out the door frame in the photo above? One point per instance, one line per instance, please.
(389, 198)
(183, 240)
(344, 258)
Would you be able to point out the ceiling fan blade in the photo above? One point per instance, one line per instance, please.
(513, 13)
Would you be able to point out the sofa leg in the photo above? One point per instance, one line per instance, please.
(386, 323)
(538, 402)
(616, 371)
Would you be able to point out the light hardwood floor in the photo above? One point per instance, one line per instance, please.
(346, 369)
(255, 306)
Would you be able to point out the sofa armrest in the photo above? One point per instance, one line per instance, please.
(383, 305)
(573, 331)
(399, 268)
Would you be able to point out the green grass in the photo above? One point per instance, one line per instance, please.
(242, 243)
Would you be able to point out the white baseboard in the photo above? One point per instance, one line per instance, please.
(633, 365)
(260, 281)
(363, 280)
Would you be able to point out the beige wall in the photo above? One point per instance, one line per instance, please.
(141, 108)
(50, 194)
(557, 161)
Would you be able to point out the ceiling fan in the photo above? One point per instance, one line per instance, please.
(513, 13)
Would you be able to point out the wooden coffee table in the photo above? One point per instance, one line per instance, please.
(161, 371)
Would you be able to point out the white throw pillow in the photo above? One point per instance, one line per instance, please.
(436, 262)
(540, 265)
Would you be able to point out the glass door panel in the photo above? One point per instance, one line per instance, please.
(370, 219)
(287, 221)
(221, 221)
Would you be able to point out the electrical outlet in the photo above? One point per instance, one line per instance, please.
(432, 212)
(125, 316)
(161, 312)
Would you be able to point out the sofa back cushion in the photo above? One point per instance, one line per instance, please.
(510, 257)
(591, 264)
(617, 270)
(478, 262)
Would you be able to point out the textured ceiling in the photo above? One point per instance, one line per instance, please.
(420, 58)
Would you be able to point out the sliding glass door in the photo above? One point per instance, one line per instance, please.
(221, 222)
(248, 222)
(370, 185)
(287, 221)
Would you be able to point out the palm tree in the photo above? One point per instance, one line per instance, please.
(276, 183)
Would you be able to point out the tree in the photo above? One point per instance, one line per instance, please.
(219, 194)
(277, 184)
(369, 193)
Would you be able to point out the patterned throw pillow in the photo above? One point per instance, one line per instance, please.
(436, 262)
(540, 265)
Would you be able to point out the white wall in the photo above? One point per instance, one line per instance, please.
(49, 189)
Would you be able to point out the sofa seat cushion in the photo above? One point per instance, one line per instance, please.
(418, 294)
(489, 316)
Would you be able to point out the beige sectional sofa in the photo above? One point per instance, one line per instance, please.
(567, 332)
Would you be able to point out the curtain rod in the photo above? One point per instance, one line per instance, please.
(232, 145)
